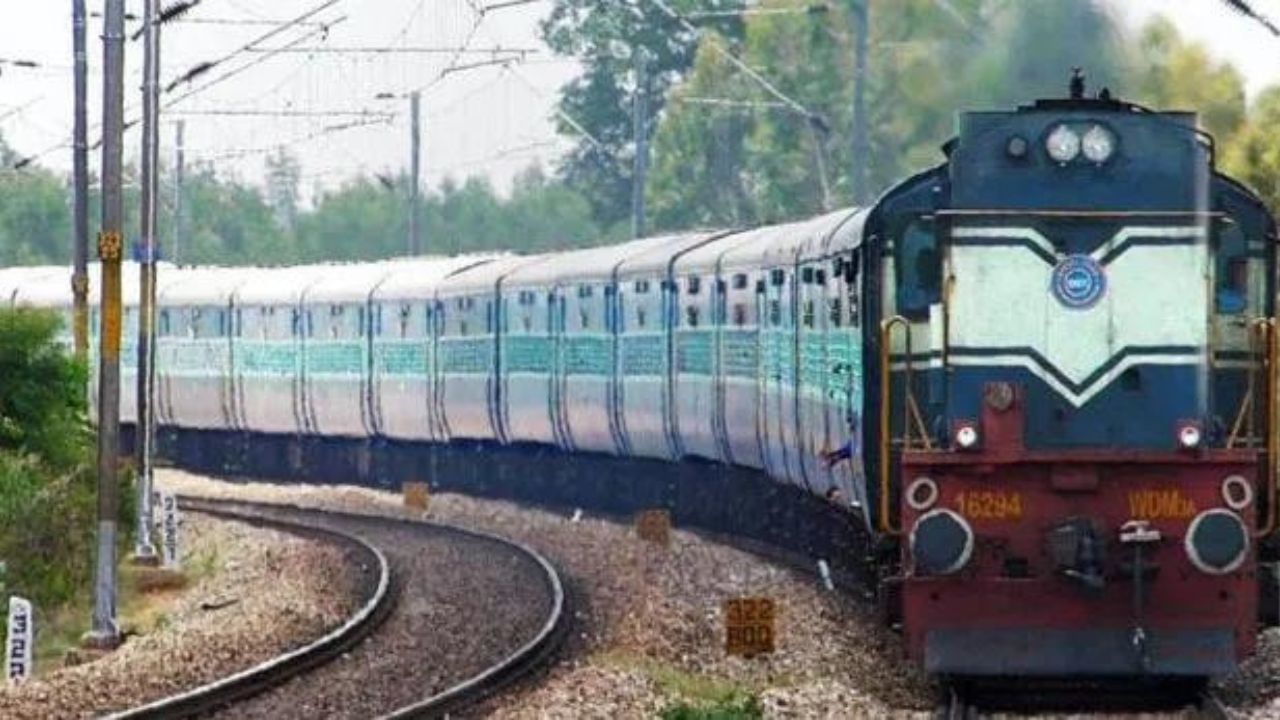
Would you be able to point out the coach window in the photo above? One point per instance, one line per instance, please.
(691, 316)
(919, 269)
(852, 276)
(808, 316)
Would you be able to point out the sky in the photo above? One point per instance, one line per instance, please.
(488, 120)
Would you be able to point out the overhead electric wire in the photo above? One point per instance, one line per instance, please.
(285, 113)
(569, 119)
(255, 62)
(206, 66)
(327, 130)
(1244, 8)
(742, 67)
(729, 102)
(325, 49)
(323, 28)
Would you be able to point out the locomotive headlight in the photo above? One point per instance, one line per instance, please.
(967, 436)
(1217, 541)
(1099, 144)
(1189, 436)
(941, 543)
(1063, 144)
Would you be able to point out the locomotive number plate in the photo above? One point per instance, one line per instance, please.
(990, 505)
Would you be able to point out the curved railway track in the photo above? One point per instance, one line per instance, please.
(455, 616)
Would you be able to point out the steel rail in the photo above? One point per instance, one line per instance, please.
(529, 657)
(288, 665)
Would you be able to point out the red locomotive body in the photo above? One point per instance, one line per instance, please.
(1081, 562)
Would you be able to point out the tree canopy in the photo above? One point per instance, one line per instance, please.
(726, 151)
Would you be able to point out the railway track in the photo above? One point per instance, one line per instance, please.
(964, 701)
(456, 615)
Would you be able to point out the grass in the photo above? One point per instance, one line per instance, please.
(145, 603)
(693, 696)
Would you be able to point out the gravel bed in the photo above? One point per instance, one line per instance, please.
(648, 627)
(254, 594)
(1254, 691)
(464, 603)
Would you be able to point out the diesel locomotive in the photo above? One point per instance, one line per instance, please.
(1050, 360)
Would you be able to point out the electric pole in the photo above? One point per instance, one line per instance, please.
(80, 184)
(861, 139)
(640, 131)
(415, 172)
(104, 632)
(144, 551)
(179, 189)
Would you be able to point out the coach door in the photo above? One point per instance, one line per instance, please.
(777, 339)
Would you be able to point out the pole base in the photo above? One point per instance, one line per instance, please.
(99, 641)
(144, 556)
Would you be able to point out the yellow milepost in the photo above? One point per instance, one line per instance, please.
(110, 250)
(417, 496)
(654, 526)
(750, 626)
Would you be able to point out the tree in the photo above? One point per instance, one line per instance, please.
(1179, 75)
(1253, 154)
(231, 223)
(604, 36)
(283, 176)
(928, 61)
(546, 215)
(362, 220)
(35, 219)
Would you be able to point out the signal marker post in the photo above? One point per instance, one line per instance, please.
(144, 552)
(19, 653)
(104, 632)
(169, 531)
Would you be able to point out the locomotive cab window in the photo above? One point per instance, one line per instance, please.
(918, 262)
(1232, 270)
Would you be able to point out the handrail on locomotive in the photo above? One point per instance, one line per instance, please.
(910, 414)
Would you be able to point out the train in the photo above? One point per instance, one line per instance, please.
(1038, 380)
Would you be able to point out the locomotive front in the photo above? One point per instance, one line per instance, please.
(1077, 439)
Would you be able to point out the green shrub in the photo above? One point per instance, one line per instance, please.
(42, 391)
(736, 706)
(48, 486)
